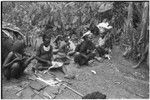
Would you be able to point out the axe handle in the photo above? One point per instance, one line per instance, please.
(73, 90)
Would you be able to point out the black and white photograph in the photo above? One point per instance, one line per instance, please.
(75, 49)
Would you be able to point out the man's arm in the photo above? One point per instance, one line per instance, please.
(47, 61)
(84, 55)
(77, 49)
(41, 59)
(29, 60)
(51, 52)
(7, 62)
(38, 56)
(26, 54)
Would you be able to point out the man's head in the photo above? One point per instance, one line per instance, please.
(60, 37)
(19, 46)
(95, 30)
(46, 39)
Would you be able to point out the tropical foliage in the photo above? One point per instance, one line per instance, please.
(129, 20)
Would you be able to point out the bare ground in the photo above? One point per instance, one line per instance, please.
(114, 77)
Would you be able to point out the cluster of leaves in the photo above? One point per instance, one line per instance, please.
(120, 13)
(57, 16)
(135, 30)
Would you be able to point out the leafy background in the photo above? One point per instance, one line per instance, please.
(129, 20)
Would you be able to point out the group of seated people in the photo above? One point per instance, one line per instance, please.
(17, 60)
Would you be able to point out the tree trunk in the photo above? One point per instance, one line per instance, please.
(133, 52)
(129, 21)
(128, 30)
(144, 23)
(144, 36)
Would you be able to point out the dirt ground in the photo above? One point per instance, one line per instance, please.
(115, 78)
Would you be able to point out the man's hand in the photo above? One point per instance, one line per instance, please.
(17, 59)
(77, 53)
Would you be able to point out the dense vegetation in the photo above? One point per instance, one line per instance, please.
(129, 20)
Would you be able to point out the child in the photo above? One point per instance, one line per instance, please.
(44, 54)
(84, 51)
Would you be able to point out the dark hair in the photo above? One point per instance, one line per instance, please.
(43, 36)
(60, 37)
(94, 29)
(18, 45)
(46, 36)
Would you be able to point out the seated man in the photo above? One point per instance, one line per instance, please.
(44, 54)
(16, 61)
(62, 51)
(100, 48)
(64, 45)
(84, 51)
(72, 47)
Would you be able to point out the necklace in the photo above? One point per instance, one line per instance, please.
(46, 48)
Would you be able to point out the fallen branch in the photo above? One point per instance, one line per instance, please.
(70, 88)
